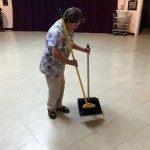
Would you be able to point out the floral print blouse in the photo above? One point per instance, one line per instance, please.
(50, 66)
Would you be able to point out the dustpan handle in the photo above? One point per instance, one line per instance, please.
(88, 74)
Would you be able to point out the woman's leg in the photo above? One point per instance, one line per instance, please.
(62, 87)
(54, 92)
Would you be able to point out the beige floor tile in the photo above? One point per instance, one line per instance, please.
(142, 112)
(73, 147)
(145, 90)
(32, 114)
(55, 142)
(31, 146)
(3, 99)
(6, 109)
(44, 127)
(139, 141)
(64, 125)
(120, 129)
(15, 139)
(94, 142)
(9, 123)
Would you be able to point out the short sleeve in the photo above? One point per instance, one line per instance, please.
(54, 38)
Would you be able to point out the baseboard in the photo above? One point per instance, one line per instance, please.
(131, 33)
(8, 28)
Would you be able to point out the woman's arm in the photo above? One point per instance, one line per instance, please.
(79, 48)
(57, 55)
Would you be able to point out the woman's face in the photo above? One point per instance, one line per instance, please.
(72, 26)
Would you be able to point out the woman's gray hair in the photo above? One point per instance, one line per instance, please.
(73, 15)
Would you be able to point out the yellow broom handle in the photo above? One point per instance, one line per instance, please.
(70, 47)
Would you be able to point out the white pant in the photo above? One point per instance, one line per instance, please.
(56, 91)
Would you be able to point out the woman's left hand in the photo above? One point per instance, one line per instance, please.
(86, 50)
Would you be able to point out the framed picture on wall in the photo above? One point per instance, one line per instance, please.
(5, 2)
(132, 5)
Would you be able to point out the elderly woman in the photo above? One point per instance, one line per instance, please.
(56, 56)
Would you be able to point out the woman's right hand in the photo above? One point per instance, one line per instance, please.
(73, 63)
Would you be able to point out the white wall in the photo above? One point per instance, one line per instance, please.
(139, 14)
(136, 15)
(7, 14)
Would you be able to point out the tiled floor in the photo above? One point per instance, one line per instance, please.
(119, 77)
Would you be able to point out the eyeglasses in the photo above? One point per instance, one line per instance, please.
(76, 24)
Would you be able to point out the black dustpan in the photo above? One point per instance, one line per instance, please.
(89, 111)
(81, 101)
